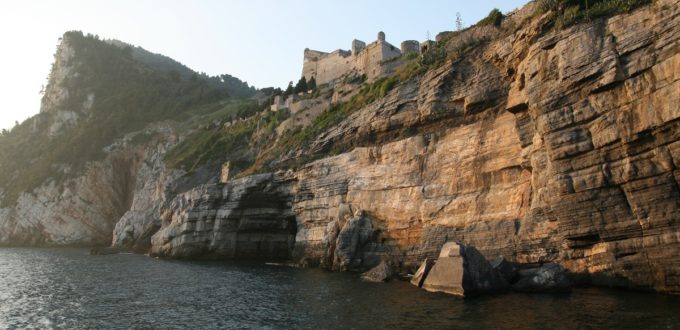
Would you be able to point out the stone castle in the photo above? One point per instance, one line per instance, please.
(364, 59)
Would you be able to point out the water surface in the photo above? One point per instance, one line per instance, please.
(67, 288)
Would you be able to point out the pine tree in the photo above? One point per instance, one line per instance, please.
(301, 85)
(311, 84)
(289, 89)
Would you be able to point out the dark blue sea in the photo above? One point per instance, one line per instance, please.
(70, 289)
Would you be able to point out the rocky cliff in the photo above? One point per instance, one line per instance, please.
(539, 144)
(557, 146)
(246, 218)
(84, 209)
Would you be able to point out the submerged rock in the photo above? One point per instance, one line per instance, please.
(105, 250)
(547, 278)
(380, 273)
(461, 270)
(506, 269)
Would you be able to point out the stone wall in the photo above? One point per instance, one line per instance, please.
(326, 67)
(363, 59)
(370, 61)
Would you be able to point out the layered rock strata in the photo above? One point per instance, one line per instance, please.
(542, 146)
(557, 147)
(246, 218)
(85, 209)
(574, 160)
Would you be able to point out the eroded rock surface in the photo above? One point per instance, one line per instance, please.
(544, 147)
(558, 147)
(246, 218)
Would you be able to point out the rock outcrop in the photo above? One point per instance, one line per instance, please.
(547, 278)
(246, 218)
(550, 147)
(152, 191)
(84, 210)
(461, 270)
(422, 272)
(542, 146)
(380, 273)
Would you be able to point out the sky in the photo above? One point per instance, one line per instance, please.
(259, 41)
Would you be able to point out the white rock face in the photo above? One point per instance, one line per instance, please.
(62, 119)
(83, 210)
(63, 67)
(79, 212)
(135, 228)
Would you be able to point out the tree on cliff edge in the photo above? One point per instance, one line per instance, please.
(311, 84)
(289, 89)
(301, 85)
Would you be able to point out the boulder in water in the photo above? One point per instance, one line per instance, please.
(507, 269)
(461, 270)
(380, 273)
(547, 278)
(421, 273)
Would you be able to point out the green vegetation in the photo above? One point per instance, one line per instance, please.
(215, 144)
(311, 84)
(565, 13)
(289, 90)
(411, 56)
(494, 18)
(161, 63)
(353, 79)
(128, 95)
(301, 86)
(301, 137)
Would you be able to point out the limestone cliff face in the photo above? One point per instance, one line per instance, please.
(246, 218)
(153, 188)
(84, 210)
(546, 147)
(597, 109)
(559, 146)
(62, 106)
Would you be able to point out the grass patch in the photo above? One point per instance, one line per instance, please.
(300, 138)
(219, 144)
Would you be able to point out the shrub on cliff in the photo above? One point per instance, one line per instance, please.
(301, 86)
(311, 84)
(566, 13)
(494, 18)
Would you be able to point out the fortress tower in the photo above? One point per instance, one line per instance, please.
(362, 58)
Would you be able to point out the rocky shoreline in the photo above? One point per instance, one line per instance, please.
(556, 149)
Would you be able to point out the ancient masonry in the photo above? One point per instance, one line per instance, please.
(363, 59)
(374, 60)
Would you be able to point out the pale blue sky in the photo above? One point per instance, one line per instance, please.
(260, 41)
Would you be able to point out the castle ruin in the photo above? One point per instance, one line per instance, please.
(363, 59)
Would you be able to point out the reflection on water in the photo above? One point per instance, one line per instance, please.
(67, 288)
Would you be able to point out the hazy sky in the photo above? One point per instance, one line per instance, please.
(259, 41)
